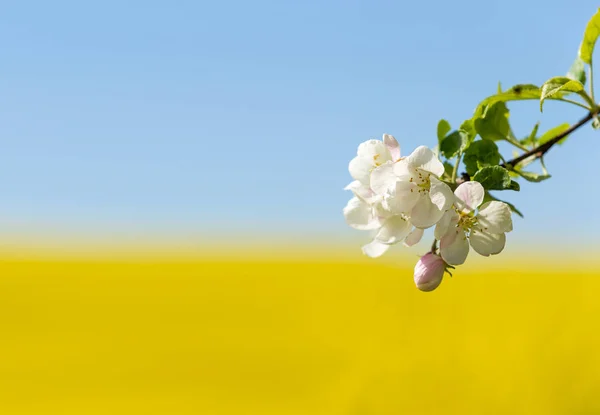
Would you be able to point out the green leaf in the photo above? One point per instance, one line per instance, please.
(468, 126)
(531, 139)
(494, 123)
(454, 143)
(480, 154)
(516, 93)
(488, 197)
(443, 128)
(448, 169)
(514, 186)
(513, 208)
(559, 84)
(553, 132)
(590, 36)
(577, 71)
(544, 170)
(532, 177)
(495, 178)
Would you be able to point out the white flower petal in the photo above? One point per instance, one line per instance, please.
(383, 178)
(403, 170)
(487, 244)
(360, 169)
(469, 196)
(360, 190)
(375, 249)
(370, 154)
(374, 151)
(392, 145)
(454, 247)
(440, 193)
(494, 217)
(380, 211)
(353, 185)
(425, 159)
(425, 213)
(403, 197)
(449, 219)
(393, 230)
(359, 215)
(414, 237)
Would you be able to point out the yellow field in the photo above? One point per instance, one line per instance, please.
(295, 336)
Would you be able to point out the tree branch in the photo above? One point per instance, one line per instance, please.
(543, 149)
(540, 150)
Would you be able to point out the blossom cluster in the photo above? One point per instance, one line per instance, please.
(396, 198)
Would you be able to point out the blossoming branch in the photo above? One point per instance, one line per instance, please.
(396, 198)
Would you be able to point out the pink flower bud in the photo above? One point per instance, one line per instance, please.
(429, 272)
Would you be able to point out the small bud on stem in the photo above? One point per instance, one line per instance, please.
(429, 272)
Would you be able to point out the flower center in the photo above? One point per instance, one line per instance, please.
(467, 221)
(376, 161)
(422, 180)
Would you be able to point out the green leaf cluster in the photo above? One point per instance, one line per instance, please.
(452, 143)
(472, 151)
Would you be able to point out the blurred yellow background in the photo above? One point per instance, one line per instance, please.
(295, 334)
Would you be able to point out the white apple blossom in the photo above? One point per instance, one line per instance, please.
(411, 186)
(367, 210)
(372, 154)
(360, 210)
(483, 228)
(393, 229)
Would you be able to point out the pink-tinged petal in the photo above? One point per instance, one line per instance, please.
(392, 145)
(393, 230)
(429, 272)
(487, 244)
(494, 217)
(425, 159)
(375, 249)
(359, 215)
(454, 247)
(469, 196)
(425, 214)
(441, 195)
(414, 237)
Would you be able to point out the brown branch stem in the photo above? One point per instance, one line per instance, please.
(543, 149)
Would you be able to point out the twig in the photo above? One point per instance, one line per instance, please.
(543, 149)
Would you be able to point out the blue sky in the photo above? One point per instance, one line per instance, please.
(236, 115)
